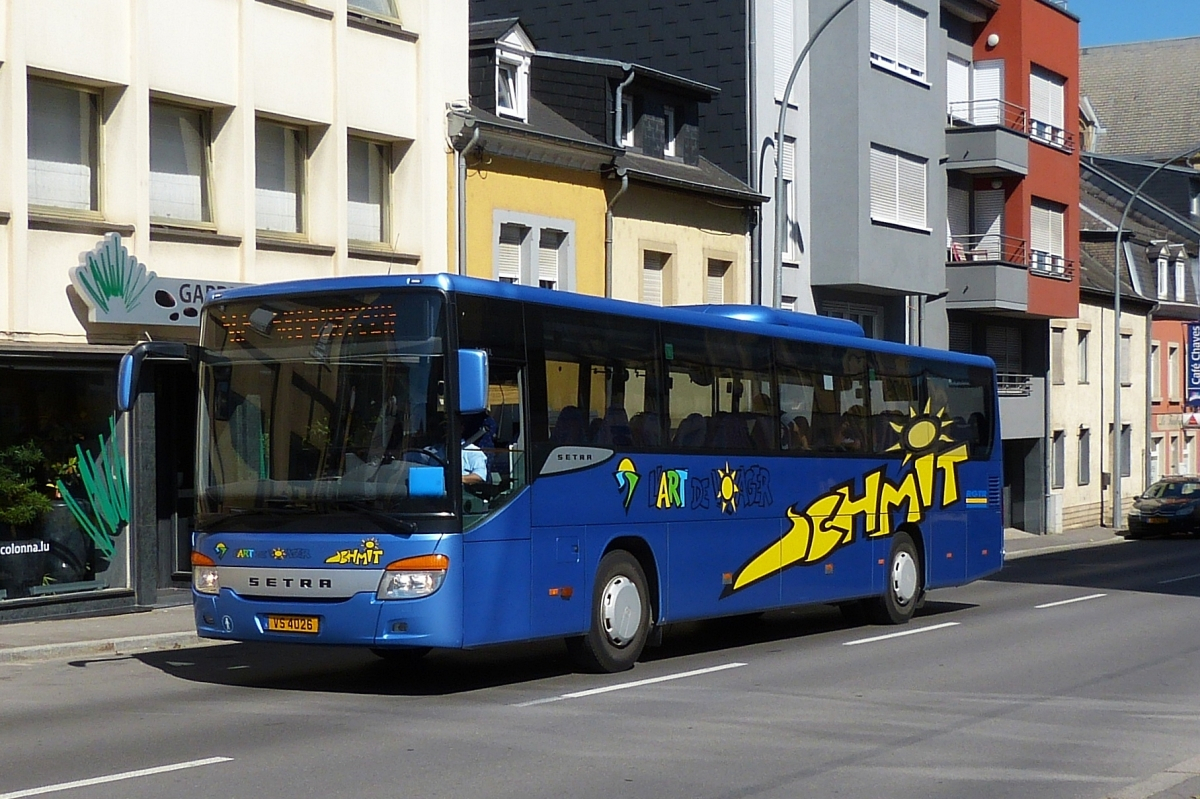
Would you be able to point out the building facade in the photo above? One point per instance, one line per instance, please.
(203, 145)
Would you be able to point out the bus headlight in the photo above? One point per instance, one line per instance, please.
(413, 578)
(204, 574)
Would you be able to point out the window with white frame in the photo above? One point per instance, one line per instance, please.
(368, 179)
(1081, 357)
(534, 250)
(1155, 372)
(791, 237)
(669, 130)
(627, 120)
(868, 317)
(1194, 197)
(787, 303)
(1189, 449)
(784, 35)
(180, 164)
(1046, 237)
(1180, 281)
(512, 74)
(1157, 454)
(1164, 287)
(1085, 456)
(898, 188)
(378, 8)
(656, 277)
(1047, 92)
(898, 38)
(1174, 373)
(63, 146)
(280, 160)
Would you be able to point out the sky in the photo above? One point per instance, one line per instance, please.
(1115, 21)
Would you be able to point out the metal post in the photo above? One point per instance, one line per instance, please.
(780, 210)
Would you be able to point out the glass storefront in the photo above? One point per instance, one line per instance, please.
(64, 489)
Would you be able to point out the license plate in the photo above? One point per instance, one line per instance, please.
(1155, 520)
(294, 624)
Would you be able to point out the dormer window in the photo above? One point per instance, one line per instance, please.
(669, 130)
(513, 56)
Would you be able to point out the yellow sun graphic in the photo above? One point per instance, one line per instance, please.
(921, 432)
(727, 488)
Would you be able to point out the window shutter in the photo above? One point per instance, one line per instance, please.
(508, 259)
(910, 40)
(549, 255)
(784, 27)
(958, 211)
(988, 92)
(883, 31)
(715, 285)
(960, 336)
(911, 191)
(958, 89)
(884, 205)
(652, 278)
(989, 222)
(1004, 347)
(1039, 228)
(1039, 98)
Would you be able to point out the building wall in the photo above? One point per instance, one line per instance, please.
(856, 104)
(305, 67)
(1033, 32)
(1167, 407)
(692, 231)
(501, 185)
(1074, 405)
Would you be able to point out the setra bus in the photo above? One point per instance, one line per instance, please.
(631, 467)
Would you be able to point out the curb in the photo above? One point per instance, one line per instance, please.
(1095, 542)
(112, 646)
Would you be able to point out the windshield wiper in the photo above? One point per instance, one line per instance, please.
(387, 521)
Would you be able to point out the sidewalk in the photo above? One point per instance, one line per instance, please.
(173, 627)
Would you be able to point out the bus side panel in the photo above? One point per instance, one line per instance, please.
(986, 553)
(830, 571)
(946, 548)
(495, 591)
(703, 558)
(560, 584)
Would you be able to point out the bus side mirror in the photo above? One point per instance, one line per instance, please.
(472, 381)
(130, 370)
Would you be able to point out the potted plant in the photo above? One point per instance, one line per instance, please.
(23, 481)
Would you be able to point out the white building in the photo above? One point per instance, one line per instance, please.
(224, 141)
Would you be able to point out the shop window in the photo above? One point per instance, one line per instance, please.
(63, 135)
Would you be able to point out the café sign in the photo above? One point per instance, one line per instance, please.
(1193, 363)
(120, 290)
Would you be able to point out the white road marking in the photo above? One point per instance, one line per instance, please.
(125, 775)
(1040, 607)
(1178, 579)
(624, 685)
(1161, 782)
(900, 634)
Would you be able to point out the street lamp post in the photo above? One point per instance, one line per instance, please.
(1117, 514)
(780, 208)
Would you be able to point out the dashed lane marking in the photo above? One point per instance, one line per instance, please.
(124, 775)
(622, 686)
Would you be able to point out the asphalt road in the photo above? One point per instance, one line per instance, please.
(1071, 675)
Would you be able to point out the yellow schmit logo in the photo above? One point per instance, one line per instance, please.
(828, 522)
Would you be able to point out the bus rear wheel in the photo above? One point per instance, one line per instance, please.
(620, 617)
(904, 583)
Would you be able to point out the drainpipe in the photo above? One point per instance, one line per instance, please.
(608, 231)
(617, 121)
(462, 197)
(752, 165)
(1149, 398)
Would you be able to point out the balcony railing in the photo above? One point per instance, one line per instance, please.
(1046, 264)
(987, 247)
(1049, 134)
(1013, 385)
(979, 113)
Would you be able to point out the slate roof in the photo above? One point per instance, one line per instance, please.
(489, 30)
(1104, 195)
(706, 176)
(1145, 95)
(545, 122)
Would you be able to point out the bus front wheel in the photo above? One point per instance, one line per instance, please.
(620, 617)
(903, 583)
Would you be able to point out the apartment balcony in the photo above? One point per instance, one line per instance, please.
(987, 272)
(1052, 136)
(987, 137)
(1022, 405)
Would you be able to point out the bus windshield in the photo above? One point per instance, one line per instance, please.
(319, 410)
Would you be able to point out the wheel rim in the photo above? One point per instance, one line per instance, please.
(904, 578)
(621, 610)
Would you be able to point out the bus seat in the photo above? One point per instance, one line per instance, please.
(692, 432)
(614, 430)
(569, 427)
(730, 432)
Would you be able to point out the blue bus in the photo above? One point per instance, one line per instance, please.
(414, 462)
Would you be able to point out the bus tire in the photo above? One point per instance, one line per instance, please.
(401, 657)
(904, 583)
(620, 617)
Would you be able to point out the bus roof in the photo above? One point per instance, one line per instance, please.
(741, 318)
